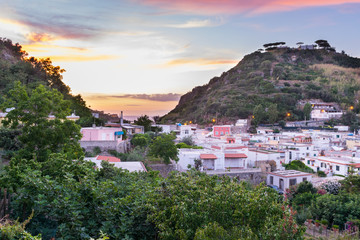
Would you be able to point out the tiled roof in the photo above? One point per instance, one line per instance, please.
(208, 156)
(235, 155)
(108, 158)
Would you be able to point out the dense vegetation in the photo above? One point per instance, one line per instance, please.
(273, 81)
(65, 197)
(15, 65)
(332, 203)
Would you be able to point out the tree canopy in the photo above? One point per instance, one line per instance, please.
(40, 134)
(164, 147)
(144, 121)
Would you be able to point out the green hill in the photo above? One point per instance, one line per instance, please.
(281, 76)
(15, 65)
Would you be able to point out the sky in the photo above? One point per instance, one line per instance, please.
(140, 56)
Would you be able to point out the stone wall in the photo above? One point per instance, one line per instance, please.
(254, 177)
(122, 146)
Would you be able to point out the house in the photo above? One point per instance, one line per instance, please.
(104, 137)
(215, 159)
(255, 155)
(130, 166)
(340, 165)
(333, 165)
(222, 130)
(286, 178)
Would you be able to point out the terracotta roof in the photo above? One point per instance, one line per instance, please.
(356, 165)
(237, 147)
(245, 139)
(235, 155)
(208, 156)
(108, 158)
(216, 147)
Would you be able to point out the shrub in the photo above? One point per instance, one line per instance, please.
(332, 187)
(321, 174)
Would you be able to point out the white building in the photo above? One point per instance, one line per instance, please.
(284, 179)
(333, 165)
(255, 155)
(212, 159)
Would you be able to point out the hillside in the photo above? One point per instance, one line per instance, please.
(281, 76)
(15, 65)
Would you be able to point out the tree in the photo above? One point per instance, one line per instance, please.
(141, 140)
(165, 148)
(40, 135)
(188, 140)
(259, 114)
(144, 121)
(188, 204)
(273, 113)
(323, 43)
(307, 111)
(299, 44)
(351, 184)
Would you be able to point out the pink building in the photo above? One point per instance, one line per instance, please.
(101, 134)
(222, 130)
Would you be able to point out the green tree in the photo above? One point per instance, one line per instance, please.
(259, 114)
(307, 111)
(351, 184)
(164, 147)
(193, 204)
(40, 135)
(141, 140)
(273, 113)
(144, 121)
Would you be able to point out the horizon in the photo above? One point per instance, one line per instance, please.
(140, 56)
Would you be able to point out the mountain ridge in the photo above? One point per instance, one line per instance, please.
(281, 76)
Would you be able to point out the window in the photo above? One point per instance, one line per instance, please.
(292, 181)
(271, 180)
(308, 162)
(221, 133)
(304, 179)
(321, 164)
(216, 133)
(186, 131)
(307, 148)
(337, 168)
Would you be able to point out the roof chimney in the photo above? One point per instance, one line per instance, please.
(121, 119)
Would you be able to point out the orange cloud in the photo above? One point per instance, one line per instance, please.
(39, 37)
(213, 7)
(81, 58)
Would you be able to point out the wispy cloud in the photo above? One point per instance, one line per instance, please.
(196, 24)
(213, 7)
(82, 58)
(39, 37)
(165, 97)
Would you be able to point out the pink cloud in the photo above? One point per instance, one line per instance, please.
(213, 7)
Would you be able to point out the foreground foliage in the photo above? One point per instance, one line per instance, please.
(72, 200)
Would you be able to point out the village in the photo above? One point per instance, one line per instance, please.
(331, 153)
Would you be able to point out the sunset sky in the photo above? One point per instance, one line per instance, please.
(140, 56)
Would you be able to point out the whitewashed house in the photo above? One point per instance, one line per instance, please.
(284, 179)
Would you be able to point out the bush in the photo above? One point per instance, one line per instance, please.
(321, 174)
(97, 150)
(298, 165)
(187, 140)
(331, 187)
